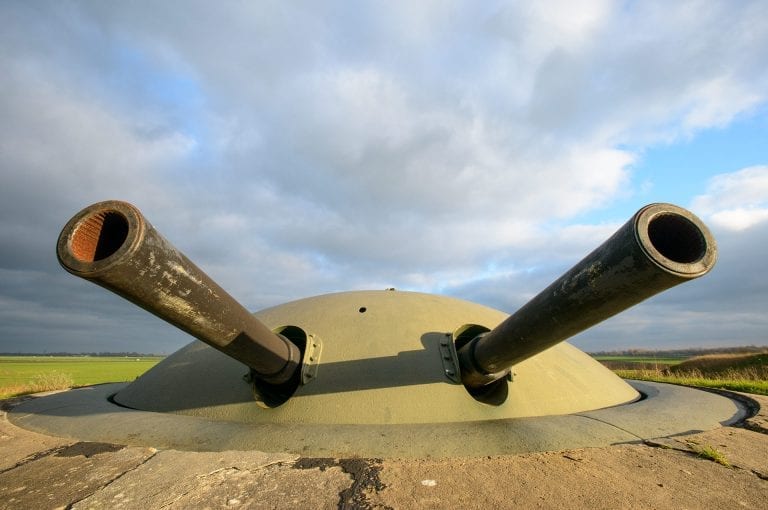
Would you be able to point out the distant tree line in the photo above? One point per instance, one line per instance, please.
(93, 354)
(682, 353)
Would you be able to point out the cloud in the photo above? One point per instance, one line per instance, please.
(295, 149)
(737, 200)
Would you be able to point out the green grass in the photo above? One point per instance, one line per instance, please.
(746, 372)
(714, 363)
(29, 374)
(645, 359)
(735, 381)
(710, 453)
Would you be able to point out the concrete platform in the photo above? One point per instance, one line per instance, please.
(45, 471)
(87, 415)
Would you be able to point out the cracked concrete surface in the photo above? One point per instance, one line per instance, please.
(38, 471)
(57, 479)
(173, 479)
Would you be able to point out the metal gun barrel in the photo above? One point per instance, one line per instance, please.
(112, 244)
(661, 246)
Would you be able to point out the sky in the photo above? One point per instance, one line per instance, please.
(291, 149)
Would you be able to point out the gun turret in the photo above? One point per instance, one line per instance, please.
(386, 372)
(661, 246)
(111, 244)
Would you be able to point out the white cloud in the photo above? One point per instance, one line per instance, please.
(57, 136)
(736, 200)
(714, 103)
(739, 218)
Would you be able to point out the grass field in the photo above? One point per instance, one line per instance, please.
(735, 382)
(737, 372)
(29, 374)
(642, 359)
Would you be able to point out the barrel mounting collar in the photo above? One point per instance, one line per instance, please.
(450, 359)
(311, 360)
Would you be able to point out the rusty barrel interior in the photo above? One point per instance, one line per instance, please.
(99, 235)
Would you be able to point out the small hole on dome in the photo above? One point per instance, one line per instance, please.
(362, 309)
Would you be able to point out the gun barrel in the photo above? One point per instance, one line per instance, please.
(661, 246)
(112, 244)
